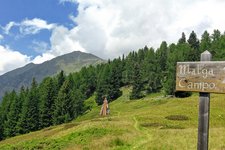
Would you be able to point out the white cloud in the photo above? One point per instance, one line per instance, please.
(8, 27)
(200, 16)
(34, 26)
(62, 41)
(111, 28)
(26, 27)
(42, 58)
(10, 59)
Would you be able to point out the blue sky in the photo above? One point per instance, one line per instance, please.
(18, 10)
(39, 30)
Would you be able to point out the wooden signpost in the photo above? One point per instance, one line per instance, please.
(204, 77)
(201, 76)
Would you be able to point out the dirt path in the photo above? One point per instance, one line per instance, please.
(147, 137)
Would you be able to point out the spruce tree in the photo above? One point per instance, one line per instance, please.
(115, 80)
(1, 125)
(137, 85)
(128, 70)
(29, 120)
(22, 99)
(33, 111)
(13, 115)
(182, 40)
(150, 72)
(162, 53)
(5, 109)
(78, 103)
(88, 81)
(103, 84)
(205, 42)
(60, 80)
(194, 44)
(170, 79)
(64, 104)
(47, 99)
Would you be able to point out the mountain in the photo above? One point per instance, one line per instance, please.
(71, 62)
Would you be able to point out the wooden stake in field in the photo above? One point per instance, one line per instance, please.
(204, 77)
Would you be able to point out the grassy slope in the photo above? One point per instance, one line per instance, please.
(138, 124)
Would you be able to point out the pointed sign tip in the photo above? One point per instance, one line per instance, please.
(206, 52)
(206, 56)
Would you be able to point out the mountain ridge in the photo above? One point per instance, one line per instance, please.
(71, 62)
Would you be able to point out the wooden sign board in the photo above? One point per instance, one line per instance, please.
(204, 76)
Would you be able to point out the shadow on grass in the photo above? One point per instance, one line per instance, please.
(177, 117)
(161, 126)
(70, 125)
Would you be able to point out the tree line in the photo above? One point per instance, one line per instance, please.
(61, 98)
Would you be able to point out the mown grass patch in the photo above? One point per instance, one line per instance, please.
(177, 117)
(159, 102)
(161, 125)
(169, 126)
(154, 124)
(70, 125)
(48, 129)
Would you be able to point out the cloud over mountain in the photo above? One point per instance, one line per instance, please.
(109, 29)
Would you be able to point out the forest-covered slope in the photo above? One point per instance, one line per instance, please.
(71, 62)
(153, 122)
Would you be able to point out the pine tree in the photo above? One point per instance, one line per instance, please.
(78, 103)
(13, 115)
(150, 72)
(33, 111)
(115, 80)
(162, 53)
(218, 45)
(88, 79)
(205, 42)
(1, 125)
(29, 120)
(22, 98)
(170, 80)
(103, 84)
(60, 79)
(64, 104)
(5, 109)
(137, 85)
(128, 70)
(182, 40)
(47, 99)
(194, 44)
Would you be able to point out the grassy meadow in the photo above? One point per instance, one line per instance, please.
(154, 122)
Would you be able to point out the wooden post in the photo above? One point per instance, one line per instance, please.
(203, 117)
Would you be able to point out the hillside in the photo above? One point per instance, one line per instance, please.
(71, 62)
(154, 122)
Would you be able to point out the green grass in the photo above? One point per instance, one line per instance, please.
(154, 122)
